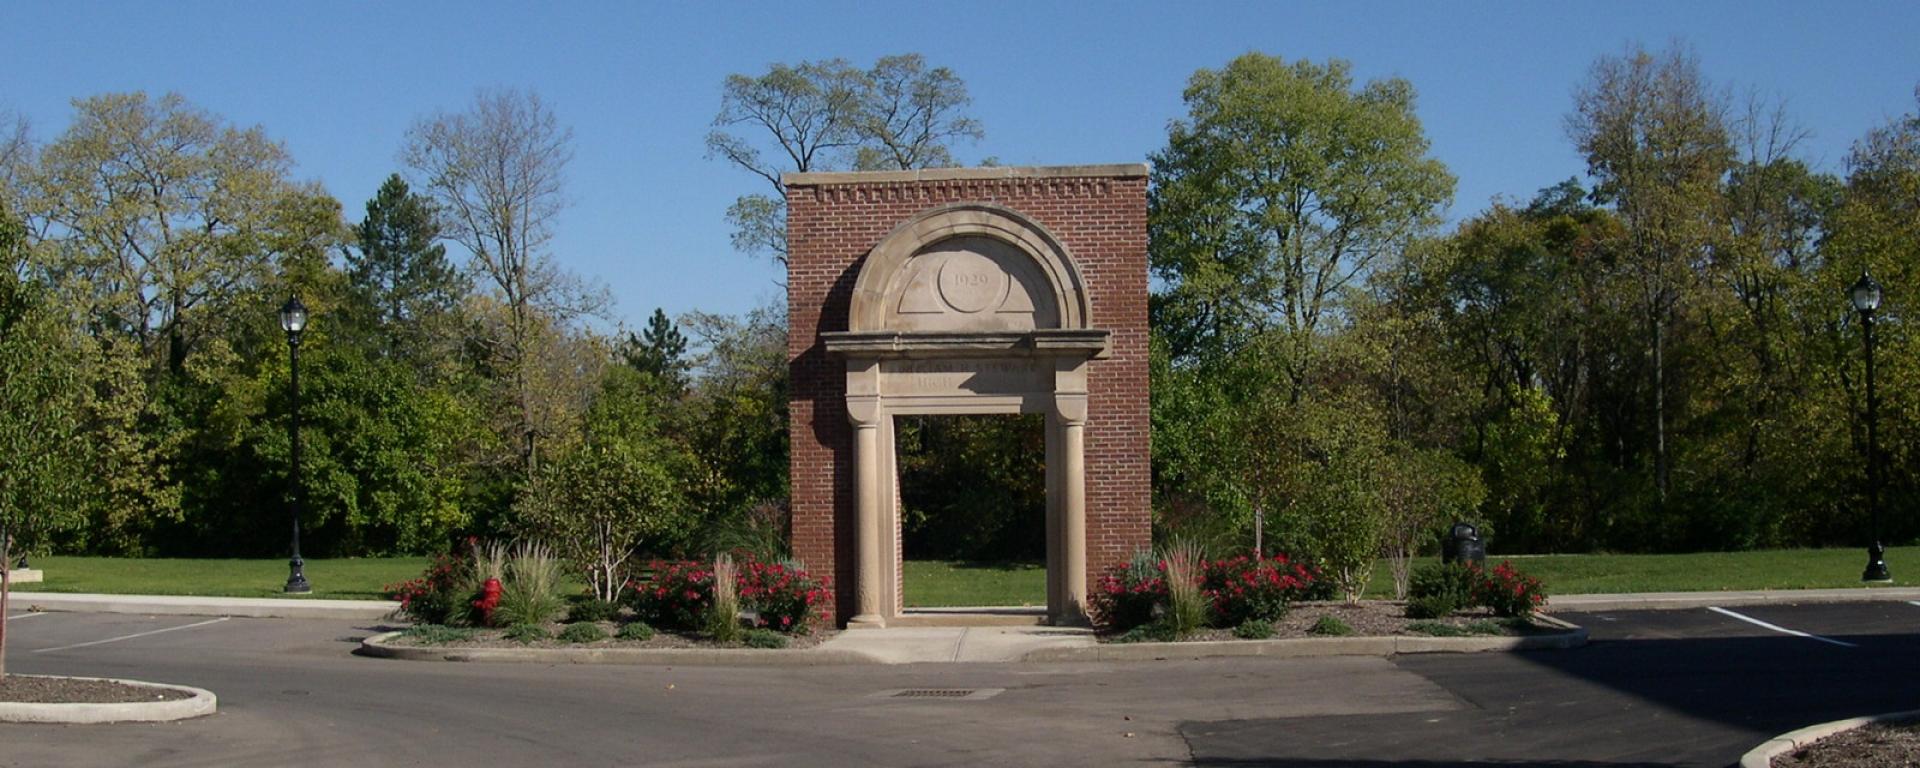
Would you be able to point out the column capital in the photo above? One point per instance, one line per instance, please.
(1071, 409)
(864, 411)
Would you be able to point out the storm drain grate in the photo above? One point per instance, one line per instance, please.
(949, 694)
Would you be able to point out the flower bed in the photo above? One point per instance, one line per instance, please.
(1368, 618)
(553, 638)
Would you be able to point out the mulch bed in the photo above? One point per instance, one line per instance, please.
(21, 689)
(1369, 618)
(1874, 746)
(496, 638)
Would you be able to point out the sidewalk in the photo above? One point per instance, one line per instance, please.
(172, 605)
(1657, 601)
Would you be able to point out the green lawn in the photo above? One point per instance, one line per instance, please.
(931, 583)
(350, 579)
(936, 583)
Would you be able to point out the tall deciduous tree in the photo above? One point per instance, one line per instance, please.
(1655, 136)
(42, 450)
(1284, 184)
(498, 171)
(827, 115)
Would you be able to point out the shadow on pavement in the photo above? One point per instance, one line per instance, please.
(1690, 701)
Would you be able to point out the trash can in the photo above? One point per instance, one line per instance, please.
(1463, 545)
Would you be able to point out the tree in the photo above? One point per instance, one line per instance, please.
(826, 115)
(1283, 186)
(497, 171)
(620, 489)
(659, 351)
(1654, 134)
(401, 274)
(158, 226)
(42, 449)
(909, 114)
(162, 215)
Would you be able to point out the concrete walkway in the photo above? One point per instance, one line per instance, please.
(177, 605)
(1654, 601)
(907, 645)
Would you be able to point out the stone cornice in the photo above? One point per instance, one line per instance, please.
(831, 178)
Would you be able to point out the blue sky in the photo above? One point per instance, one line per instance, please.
(1054, 83)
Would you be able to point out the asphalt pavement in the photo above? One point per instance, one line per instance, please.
(1693, 687)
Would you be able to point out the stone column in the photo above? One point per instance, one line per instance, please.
(1072, 412)
(864, 412)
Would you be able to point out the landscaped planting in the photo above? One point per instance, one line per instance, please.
(1440, 590)
(503, 597)
(1249, 597)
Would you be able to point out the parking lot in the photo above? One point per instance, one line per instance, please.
(1691, 687)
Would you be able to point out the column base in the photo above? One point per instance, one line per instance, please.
(867, 621)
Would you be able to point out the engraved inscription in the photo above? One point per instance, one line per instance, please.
(971, 282)
(947, 377)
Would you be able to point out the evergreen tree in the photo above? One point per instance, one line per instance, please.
(660, 351)
(400, 273)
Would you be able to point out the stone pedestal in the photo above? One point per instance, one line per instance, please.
(26, 576)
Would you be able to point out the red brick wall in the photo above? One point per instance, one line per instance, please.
(1102, 221)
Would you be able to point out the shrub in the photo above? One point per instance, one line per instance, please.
(1509, 593)
(1431, 607)
(783, 597)
(582, 632)
(1125, 597)
(1186, 605)
(763, 638)
(1246, 588)
(1330, 626)
(1436, 629)
(1155, 632)
(527, 633)
(678, 596)
(1484, 627)
(636, 630)
(441, 595)
(1254, 629)
(592, 609)
(1454, 582)
(437, 634)
(723, 619)
(531, 594)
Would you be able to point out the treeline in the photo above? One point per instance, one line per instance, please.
(148, 247)
(1657, 354)
(1661, 356)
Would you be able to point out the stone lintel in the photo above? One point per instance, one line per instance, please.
(1090, 343)
(830, 178)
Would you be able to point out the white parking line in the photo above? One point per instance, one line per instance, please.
(26, 615)
(1913, 602)
(1778, 628)
(132, 636)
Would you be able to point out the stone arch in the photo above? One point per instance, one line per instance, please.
(988, 237)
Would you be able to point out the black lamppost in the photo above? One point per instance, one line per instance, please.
(1865, 295)
(293, 319)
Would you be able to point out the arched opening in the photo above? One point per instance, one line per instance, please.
(967, 309)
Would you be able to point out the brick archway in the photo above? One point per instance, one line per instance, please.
(971, 301)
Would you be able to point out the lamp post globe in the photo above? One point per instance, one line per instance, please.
(293, 320)
(1865, 295)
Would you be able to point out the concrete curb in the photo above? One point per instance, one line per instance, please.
(380, 646)
(1570, 636)
(201, 702)
(240, 607)
(1661, 601)
(1762, 756)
